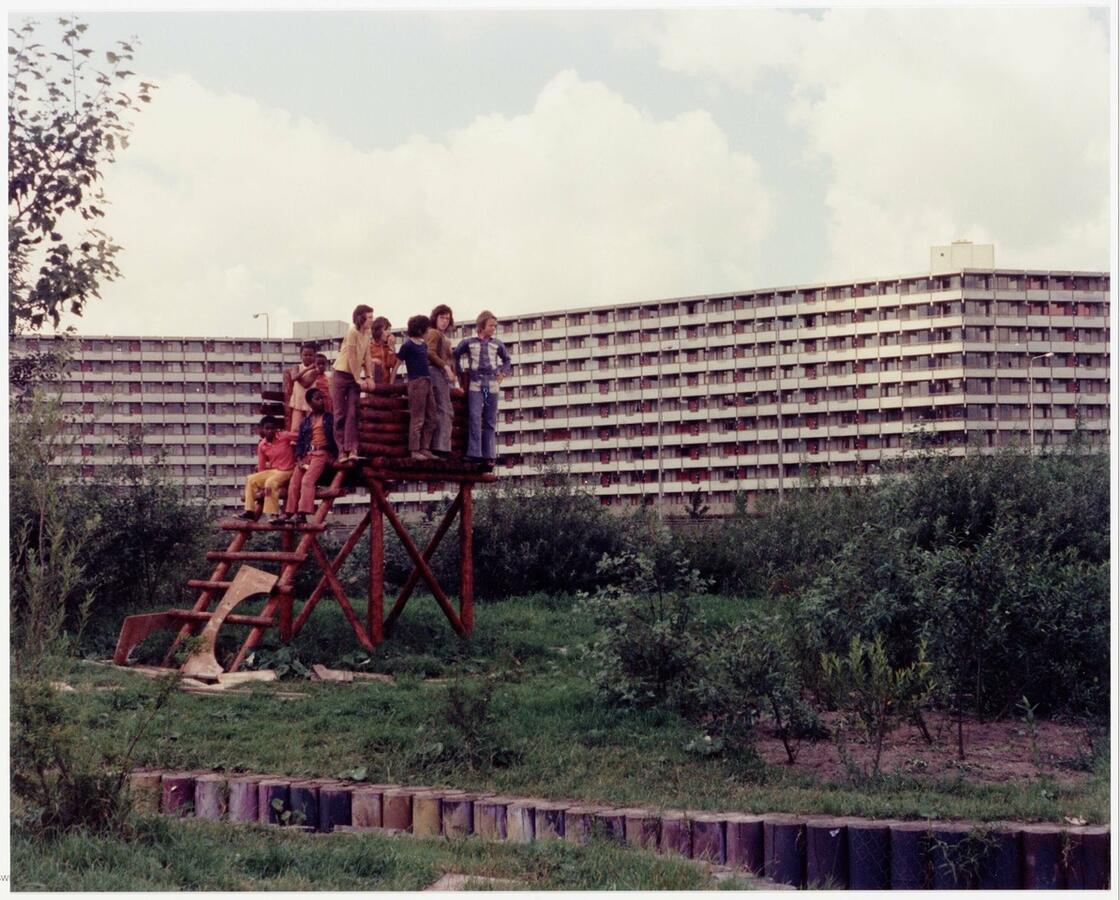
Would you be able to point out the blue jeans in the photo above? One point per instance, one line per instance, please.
(482, 409)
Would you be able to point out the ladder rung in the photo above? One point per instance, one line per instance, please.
(232, 618)
(331, 493)
(259, 555)
(202, 585)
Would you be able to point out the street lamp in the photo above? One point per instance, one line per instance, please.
(1030, 396)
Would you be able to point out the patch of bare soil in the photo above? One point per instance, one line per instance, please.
(995, 752)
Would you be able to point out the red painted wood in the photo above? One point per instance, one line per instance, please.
(466, 559)
(340, 557)
(231, 619)
(340, 595)
(417, 558)
(375, 608)
(429, 551)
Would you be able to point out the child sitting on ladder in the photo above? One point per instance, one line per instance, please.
(315, 450)
(421, 401)
(275, 462)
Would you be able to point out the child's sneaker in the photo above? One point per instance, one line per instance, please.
(249, 515)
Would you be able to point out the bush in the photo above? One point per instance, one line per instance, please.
(748, 675)
(546, 537)
(650, 633)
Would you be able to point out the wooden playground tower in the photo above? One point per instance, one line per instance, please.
(383, 421)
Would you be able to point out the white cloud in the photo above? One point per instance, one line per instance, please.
(933, 124)
(226, 208)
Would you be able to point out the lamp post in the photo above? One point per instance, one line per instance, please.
(1030, 396)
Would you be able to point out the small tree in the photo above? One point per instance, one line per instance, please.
(66, 120)
(875, 695)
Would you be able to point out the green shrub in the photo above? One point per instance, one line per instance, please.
(874, 695)
(649, 631)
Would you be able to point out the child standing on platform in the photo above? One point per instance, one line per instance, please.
(296, 382)
(421, 402)
(381, 346)
(315, 450)
(275, 462)
(349, 377)
(443, 375)
(486, 362)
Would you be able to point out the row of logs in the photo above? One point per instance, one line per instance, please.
(384, 421)
(861, 854)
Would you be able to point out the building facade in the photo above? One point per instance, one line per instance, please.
(655, 401)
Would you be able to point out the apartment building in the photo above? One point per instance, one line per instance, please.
(654, 401)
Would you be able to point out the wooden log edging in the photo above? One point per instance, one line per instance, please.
(803, 851)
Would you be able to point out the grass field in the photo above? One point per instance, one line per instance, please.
(168, 855)
(543, 731)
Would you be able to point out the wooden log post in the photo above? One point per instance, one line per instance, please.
(579, 823)
(550, 820)
(783, 839)
(642, 828)
(243, 805)
(709, 841)
(375, 606)
(745, 843)
(910, 856)
(1087, 858)
(396, 809)
(521, 819)
(610, 824)
(273, 800)
(458, 815)
(826, 854)
(948, 859)
(676, 834)
(869, 856)
(304, 800)
(1001, 862)
(210, 797)
(144, 790)
(1042, 857)
(466, 558)
(365, 806)
(426, 814)
(176, 793)
(334, 807)
(491, 818)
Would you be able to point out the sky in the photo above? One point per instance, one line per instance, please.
(298, 163)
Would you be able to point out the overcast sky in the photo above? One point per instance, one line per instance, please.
(299, 163)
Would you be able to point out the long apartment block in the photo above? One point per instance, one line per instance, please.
(655, 401)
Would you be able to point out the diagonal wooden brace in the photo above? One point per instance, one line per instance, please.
(417, 558)
(336, 565)
(429, 551)
(340, 595)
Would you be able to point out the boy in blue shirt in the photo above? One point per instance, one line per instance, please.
(413, 352)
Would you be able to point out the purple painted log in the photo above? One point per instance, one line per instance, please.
(579, 823)
(948, 857)
(783, 847)
(304, 799)
(144, 788)
(521, 820)
(1001, 859)
(1042, 857)
(869, 855)
(1087, 858)
(396, 809)
(273, 800)
(676, 834)
(176, 794)
(243, 799)
(709, 839)
(610, 824)
(365, 807)
(744, 843)
(826, 853)
(490, 817)
(642, 827)
(210, 797)
(909, 856)
(458, 815)
(550, 820)
(334, 807)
